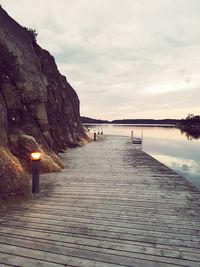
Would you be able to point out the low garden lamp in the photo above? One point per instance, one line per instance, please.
(35, 158)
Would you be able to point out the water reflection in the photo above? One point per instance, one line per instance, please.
(191, 133)
(189, 168)
(172, 147)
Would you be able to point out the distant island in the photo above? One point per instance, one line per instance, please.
(131, 121)
(190, 126)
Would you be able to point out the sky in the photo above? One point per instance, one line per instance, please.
(125, 58)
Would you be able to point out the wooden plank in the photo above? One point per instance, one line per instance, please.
(99, 228)
(84, 232)
(191, 222)
(65, 260)
(129, 210)
(170, 227)
(102, 255)
(8, 259)
(94, 244)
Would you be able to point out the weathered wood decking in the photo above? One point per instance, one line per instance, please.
(112, 206)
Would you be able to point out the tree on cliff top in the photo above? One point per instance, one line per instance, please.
(33, 33)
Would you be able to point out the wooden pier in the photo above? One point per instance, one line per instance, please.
(113, 205)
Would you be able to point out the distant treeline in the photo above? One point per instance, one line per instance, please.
(130, 121)
(145, 121)
(90, 120)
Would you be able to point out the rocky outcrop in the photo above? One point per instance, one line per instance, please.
(38, 107)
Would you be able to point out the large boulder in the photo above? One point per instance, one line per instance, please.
(13, 178)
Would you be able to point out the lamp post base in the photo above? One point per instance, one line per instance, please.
(35, 176)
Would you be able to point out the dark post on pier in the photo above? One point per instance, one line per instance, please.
(131, 136)
(35, 157)
(95, 135)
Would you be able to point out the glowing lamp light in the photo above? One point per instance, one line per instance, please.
(36, 155)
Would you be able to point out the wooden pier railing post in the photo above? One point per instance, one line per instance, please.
(95, 135)
(131, 137)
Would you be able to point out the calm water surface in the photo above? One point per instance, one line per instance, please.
(167, 144)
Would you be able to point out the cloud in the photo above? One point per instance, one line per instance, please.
(125, 59)
(186, 83)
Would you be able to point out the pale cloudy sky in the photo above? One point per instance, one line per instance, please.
(124, 58)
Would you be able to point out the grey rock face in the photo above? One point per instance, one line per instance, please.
(38, 107)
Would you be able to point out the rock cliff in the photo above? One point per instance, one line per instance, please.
(38, 107)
